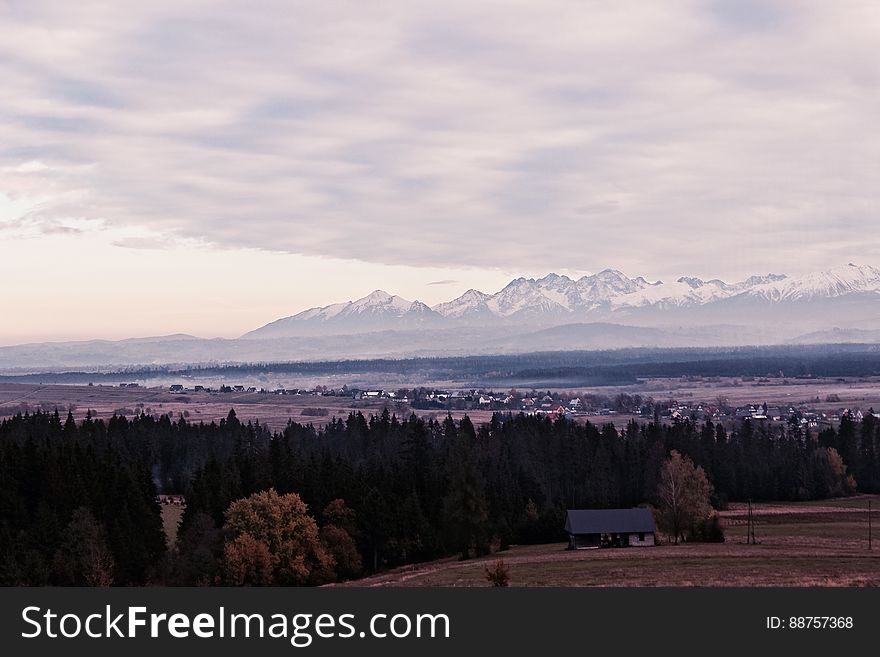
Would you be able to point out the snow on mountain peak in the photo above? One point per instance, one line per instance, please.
(610, 274)
(641, 282)
(691, 281)
(835, 282)
(556, 298)
(608, 284)
(381, 300)
(553, 278)
(374, 298)
(472, 302)
(526, 295)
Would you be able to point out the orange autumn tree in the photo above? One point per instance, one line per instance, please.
(272, 541)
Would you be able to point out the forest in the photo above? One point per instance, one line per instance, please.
(539, 369)
(79, 501)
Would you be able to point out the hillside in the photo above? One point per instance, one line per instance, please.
(799, 544)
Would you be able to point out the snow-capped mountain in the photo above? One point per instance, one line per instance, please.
(754, 281)
(470, 304)
(685, 291)
(607, 310)
(608, 295)
(609, 284)
(837, 282)
(376, 311)
(550, 296)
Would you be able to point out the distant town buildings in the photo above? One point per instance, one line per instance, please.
(560, 404)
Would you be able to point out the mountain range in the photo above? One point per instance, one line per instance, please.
(608, 296)
(607, 310)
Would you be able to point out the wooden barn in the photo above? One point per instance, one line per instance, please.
(595, 528)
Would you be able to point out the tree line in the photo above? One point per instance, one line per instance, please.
(577, 368)
(78, 501)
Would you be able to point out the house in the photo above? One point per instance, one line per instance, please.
(594, 528)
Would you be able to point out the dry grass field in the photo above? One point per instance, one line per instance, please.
(271, 410)
(808, 544)
(171, 516)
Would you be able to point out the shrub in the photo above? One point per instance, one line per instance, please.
(498, 573)
(708, 531)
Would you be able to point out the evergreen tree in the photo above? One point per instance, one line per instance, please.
(465, 504)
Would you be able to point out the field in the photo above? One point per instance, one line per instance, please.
(275, 410)
(172, 514)
(271, 410)
(799, 544)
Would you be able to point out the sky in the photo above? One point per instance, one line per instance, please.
(207, 167)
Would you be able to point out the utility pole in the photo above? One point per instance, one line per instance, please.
(869, 524)
(750, 529)
(754, 540)
(749, 524)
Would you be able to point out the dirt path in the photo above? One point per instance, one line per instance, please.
(23, 397)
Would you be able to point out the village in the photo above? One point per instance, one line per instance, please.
(811, 415)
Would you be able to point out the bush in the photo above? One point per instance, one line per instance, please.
(340, 545)
(498, 574)
(708, 531)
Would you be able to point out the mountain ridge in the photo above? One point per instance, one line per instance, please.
(608, 295)
(606, 310)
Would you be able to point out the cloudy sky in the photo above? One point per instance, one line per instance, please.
(206, 167)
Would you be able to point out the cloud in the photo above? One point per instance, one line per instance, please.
(31, 166)
(691, 135)
(447, 282)
(55, 228)
(143, 243)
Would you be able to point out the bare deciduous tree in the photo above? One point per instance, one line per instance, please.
(683, 495)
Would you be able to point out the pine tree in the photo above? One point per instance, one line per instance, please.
(465, 504)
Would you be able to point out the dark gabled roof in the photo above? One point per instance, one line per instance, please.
(609, 521)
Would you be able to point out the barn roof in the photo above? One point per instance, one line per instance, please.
(609, 521)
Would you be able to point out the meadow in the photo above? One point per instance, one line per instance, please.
(811, 544)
